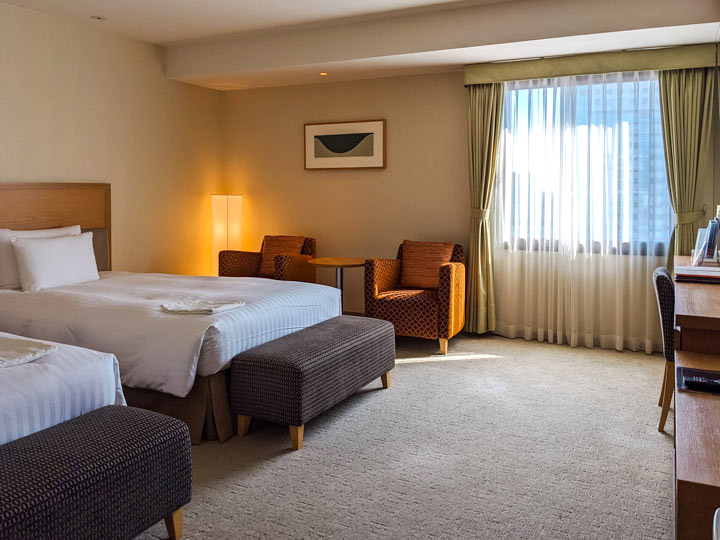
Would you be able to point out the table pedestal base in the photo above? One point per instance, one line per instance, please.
(339, 278)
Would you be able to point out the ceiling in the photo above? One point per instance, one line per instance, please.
(242, 44)
(168, 21)
(455, 59)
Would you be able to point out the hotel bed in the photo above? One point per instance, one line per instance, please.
(170, 363)
(66, 383)
(121, 313)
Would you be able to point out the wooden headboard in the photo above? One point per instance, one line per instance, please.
(45, 205)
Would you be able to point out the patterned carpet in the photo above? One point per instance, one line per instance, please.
(501, 439)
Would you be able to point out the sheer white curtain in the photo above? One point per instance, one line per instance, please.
(582, 214)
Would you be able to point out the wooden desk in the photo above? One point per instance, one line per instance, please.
(697, 315)
(697, 454)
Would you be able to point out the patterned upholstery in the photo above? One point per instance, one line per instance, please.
(294, 268)
(239, 263)
(109, 474)
(295, 378)
(665, 294)
(413, 312)
(425, 313)
(287, 267)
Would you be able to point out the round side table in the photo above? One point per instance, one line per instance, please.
(339, 263)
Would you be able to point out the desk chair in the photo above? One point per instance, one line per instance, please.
(665, 294)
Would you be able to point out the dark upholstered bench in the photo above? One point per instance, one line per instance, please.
(296, 377)
(108, 474)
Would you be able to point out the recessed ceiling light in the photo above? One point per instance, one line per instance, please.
(97, 17)
(323, 74)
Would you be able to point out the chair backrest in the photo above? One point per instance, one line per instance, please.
(665, 294)
(458, 253)
(309, 247)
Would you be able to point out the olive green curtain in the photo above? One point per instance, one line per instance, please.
(682, 57)
(485, 106)
(686, 103)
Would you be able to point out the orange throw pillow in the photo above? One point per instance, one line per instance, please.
(278, 245)
(421, 263)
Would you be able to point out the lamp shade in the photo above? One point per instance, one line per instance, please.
(226, 225)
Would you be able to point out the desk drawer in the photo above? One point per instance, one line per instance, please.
(701, 341)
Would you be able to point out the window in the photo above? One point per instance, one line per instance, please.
(582, 166)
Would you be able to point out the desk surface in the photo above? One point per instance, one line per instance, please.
(697, 427)
(697, 305)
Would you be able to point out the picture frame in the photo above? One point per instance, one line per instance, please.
(357, 144)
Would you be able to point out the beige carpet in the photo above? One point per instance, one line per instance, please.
(501, 439)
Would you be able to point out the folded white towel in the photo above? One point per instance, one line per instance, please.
(198, 307)
(17, 351)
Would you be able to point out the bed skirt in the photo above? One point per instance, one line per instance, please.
(205, 409)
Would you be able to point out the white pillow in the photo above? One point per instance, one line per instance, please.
(52, 262)
(9, 278)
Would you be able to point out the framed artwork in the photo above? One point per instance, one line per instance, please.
(345, 145)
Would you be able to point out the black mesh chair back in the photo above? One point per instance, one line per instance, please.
(665, 294)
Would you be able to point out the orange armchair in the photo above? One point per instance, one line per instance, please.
(287, 266)
(418, 312)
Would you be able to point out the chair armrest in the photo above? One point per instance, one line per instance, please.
(294, 268)
(239, 263)
(381, 275)
(451, 299)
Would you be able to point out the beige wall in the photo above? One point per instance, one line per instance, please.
(423, 194)
(78, 103)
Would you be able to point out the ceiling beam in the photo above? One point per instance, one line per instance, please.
(503, 22)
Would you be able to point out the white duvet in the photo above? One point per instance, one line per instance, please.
(121, 314)
(67, 382)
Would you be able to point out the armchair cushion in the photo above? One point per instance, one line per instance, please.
(278, 245)
(413, 312)
(421, 263)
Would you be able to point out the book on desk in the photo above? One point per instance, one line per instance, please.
(706, 273)
(697, 274)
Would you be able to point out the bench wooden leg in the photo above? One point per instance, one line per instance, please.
(443, 346)
(243, 425)
(385, 378)
(174, 523)
(296, 436)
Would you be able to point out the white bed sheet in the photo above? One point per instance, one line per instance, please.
(121, 314)
(62, 385)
